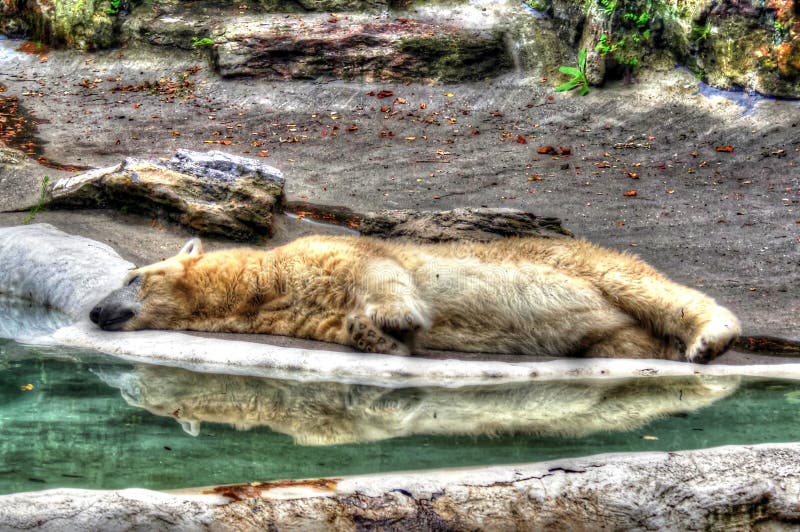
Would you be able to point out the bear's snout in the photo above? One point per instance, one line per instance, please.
(117, 308)
(111, 318)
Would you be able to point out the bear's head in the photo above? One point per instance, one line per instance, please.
(159, 296)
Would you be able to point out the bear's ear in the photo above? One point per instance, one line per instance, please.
(191, 248)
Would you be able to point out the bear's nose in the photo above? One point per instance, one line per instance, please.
(94, 315)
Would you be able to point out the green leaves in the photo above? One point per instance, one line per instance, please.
(578, 75)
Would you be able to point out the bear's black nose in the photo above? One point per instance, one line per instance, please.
(94, 315)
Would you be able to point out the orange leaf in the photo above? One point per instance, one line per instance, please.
(565, 150)
(633, 175)
(521, 140)
(727, 148)
(629, 193)
(547, 150)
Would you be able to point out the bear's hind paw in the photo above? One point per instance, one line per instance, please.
(713, 338)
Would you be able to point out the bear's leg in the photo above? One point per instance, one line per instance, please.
(365, 335)
(390, 299)
(633, 341)
(666, 308)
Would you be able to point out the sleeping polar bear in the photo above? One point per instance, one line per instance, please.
(534, 296)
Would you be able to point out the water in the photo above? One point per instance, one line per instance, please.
(86, 420)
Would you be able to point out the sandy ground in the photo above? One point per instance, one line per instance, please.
(726, 222)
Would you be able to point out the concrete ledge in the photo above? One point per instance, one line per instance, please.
(720, 488)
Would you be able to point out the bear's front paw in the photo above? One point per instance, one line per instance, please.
(714, 337)
(366, 336)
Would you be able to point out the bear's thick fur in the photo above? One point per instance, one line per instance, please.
(536, 296)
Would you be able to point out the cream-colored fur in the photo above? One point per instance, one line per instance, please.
(555, 297)
(329, 413)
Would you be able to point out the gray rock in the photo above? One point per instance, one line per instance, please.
(211, 193)
(68, 273)
(358, 47)
(459, 224)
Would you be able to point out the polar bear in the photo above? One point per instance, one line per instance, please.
(534, 296)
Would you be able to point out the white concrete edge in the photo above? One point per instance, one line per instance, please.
(418, 483)
(212, 355)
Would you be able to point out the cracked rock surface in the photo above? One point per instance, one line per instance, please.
(714, 489)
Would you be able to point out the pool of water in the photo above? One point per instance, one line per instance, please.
(79, 419)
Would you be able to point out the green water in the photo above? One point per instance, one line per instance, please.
(89, 421)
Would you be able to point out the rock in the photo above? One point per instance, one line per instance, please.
(210, 193)
(459, 224)
(357, 47)
(721, 488)
(84, 24)
(68, 273)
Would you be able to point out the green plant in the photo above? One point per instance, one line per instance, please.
(640, 20)
(779, 27)
(701, 33)
(36, 209)
(113, 7)
(578, 75)
(609, 6)
(604, 46)
(538, 5)
(199, 42)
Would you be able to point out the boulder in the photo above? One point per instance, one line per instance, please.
(358, 47)
(210, 193)
(64, 272)
(481, 224)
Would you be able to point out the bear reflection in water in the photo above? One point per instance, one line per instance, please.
(329, 413)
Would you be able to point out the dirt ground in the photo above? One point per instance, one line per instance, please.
(701, 184)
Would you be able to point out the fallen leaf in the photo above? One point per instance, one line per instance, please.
(534, 178)
(384, 94)
(633, 175)
(422, 106)
(410, 138)
(547, 150)
(649, 438)
(603, 164)
(695, 154)
(26, 387)
(399, 101)
(727, 148)
(449, 94)
(352, 128)
(566, 151)
(630, 193)
(521, 140)
(620, 223)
